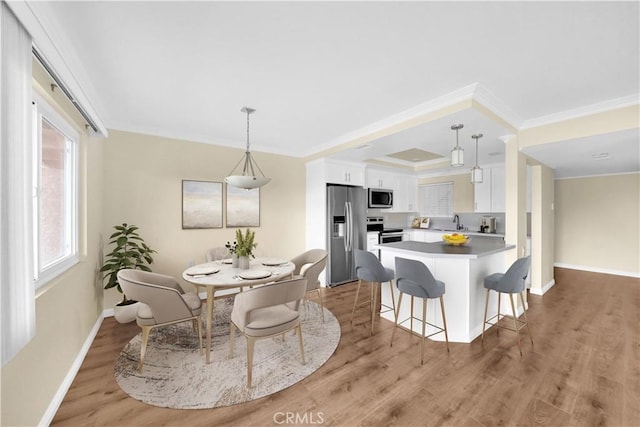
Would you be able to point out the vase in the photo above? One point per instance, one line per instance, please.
(243, 262)
(234, 261)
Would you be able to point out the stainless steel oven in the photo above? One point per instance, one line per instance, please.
(390, 235)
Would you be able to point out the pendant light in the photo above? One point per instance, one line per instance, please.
(457, 154)
(248, 178)
(476, 171)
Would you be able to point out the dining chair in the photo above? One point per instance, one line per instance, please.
(309, 265)
(511, 282)
(370, 269)
(217, 254)
(415, 279)
(163, 302)
(265, 312)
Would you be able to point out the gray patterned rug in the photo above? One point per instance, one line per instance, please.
(176, 376)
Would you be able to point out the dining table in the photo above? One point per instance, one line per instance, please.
(216, 276)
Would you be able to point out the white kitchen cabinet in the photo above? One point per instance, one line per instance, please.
(380, 179)
(489, 194)
(344, 173)
(405, 188)
(429, 236)
(372, 239)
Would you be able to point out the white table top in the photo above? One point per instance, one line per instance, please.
(228, 276)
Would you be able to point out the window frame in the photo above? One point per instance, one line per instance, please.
(445, 185)
(43, 109)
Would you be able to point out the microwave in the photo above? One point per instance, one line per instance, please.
(380, 198)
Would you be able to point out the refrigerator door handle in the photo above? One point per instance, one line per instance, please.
(346, 227)
(349, 220)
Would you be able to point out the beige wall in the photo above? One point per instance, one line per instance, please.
(144, 187)
(542, 228)
(463, 197)
(66, 309)
(597, 223)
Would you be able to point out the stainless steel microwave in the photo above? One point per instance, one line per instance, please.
(380, 198)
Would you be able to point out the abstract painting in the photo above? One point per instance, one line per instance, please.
(201, 204)
(243, 207)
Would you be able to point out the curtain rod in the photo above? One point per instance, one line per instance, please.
(64, 89)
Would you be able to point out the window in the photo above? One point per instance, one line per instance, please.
(436, 200)
(56, 193)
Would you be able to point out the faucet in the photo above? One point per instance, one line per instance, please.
(456, 219)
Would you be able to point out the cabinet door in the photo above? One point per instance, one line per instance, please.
(482, 193)
(399, 194)
(341, 173)
(497, 189)
(354, 174)
(412, 193)
(336, 173)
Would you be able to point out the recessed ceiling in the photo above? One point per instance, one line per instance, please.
(316, 71)
(414, 155)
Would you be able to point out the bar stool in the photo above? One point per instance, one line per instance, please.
(415, 279)
(370, 269)
(511, 282)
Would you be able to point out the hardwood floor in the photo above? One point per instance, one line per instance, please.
(584, 370)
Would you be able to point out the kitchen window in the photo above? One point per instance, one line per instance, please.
(55, 177)
(436, 200)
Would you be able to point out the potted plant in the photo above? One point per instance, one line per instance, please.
(130, 251)
(245, 245)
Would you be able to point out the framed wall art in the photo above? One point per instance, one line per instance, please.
(243, 207)
(201, 204)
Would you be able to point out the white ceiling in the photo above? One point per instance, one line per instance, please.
(318, 71)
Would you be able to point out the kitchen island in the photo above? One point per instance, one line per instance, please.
(462, 269)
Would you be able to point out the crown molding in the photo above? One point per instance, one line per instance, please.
(600, 107)
(498, 107)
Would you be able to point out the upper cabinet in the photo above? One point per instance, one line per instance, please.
(379, 179)
(344, 173)
(405, 188)
(489, 195)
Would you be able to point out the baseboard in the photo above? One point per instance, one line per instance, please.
(598, 270)
(71, 374)
(544, 289)
(107, 313)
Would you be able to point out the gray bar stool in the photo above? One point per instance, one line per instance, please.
(370, 269)
(511, 282)
(415, 279)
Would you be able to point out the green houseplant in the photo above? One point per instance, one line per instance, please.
(244, 246)
(129, 251)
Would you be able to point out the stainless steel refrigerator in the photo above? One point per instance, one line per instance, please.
(347, 231)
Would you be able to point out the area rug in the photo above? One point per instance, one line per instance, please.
(175, 375)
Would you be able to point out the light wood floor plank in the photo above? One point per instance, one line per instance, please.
(584, 369)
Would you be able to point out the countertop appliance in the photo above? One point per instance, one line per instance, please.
(488, 224)
(380, 198)
(346, 211)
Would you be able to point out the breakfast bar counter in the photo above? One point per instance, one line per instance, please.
(462, 269)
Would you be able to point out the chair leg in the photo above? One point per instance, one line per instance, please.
(299, 332)
(411, 319)
(484, 322)
(199, 332)
(393, 298)
(232, 338)
(444, 322)
(321, 303)
(525, 318)
(374, 289)
(355, 303)
(250, 343)
(397, 314)
(143, 345)
(498, 321)
(424, 324)
(515, 322)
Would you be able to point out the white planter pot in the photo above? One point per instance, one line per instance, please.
(126, 313)
(234, 261)
(243, 262)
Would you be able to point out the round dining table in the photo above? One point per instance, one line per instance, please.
(221, 275)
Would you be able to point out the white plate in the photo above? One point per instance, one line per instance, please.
(202, 271)
(254, 274)
(274, 261)
(227, 261)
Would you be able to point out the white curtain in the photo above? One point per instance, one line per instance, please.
(17, 293)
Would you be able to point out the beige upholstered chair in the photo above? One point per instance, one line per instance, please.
(216, 254)
(263, 312)
(309, 265)
(163, 303)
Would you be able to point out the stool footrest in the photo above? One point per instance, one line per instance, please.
(439, 329)
(522, 323)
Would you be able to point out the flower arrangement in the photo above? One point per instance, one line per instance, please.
(231, 247)
(244, 244)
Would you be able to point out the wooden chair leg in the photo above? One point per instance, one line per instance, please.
(397, 313)
(444, 322)
(199, 332)
(374, 288)
(393, 298)
(424, 324)
(299, 332)
(143, 345)
(498, 321)
(250, 345)
(355, 303)
(411, 320)
(321, 303)
(525, 318)
(484, 322)
(515, 322)
(232, 338)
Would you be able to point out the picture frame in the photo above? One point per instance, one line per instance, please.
(201, 204)
(243, 207)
